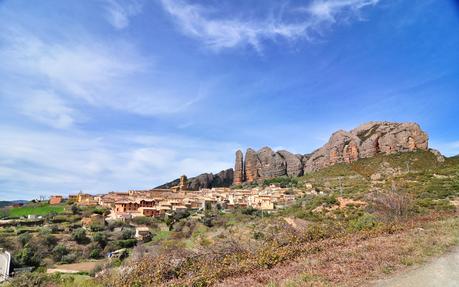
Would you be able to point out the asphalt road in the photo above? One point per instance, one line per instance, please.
(442, 272)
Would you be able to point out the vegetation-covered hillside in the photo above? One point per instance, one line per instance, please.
(351, 223)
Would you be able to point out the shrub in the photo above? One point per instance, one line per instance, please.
(365, 222)
(127, 233)
(24, 238)
(95, 253)
(143, 220)
(96, 227)
(28, 256)
(69, 258)
(79, 236)
(250, 211)
(59, 252)
(101, 239)
(75, 209)
(439, 204)
(391, 205)
(128, 243)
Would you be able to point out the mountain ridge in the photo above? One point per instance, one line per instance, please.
(366, 140)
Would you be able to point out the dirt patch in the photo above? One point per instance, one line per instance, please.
(77, 267)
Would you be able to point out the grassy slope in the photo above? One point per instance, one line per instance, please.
(36, 209)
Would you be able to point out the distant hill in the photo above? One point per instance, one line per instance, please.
(4, 203)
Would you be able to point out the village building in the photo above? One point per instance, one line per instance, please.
(55, 199)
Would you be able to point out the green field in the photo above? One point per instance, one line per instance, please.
(35, 209)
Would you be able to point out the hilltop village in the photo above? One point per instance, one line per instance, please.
(161, 202)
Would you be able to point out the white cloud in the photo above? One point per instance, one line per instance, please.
(113, 75)
(329, 10)
(197, 22)
(47, 108)
(119, 12)
(37, 162)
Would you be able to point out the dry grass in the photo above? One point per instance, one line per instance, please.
(357, 259)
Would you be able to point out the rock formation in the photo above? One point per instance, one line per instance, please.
(205, 180)
(239, 168)
(364, 141)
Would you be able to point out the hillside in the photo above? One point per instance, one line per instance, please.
(352, 223)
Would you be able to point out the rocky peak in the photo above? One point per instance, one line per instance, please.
(366, 141)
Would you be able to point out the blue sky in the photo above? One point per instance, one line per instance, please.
(116, 95)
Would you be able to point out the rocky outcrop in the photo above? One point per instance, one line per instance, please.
(239, 168)
(265, 164)
(364, 141)
(270, 164)
(205, 180)
(251, 164)
(293, 162)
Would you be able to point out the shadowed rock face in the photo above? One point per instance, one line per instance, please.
(364, 141)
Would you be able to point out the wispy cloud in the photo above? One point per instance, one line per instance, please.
(218, 33)
(47, 108)
(101, 74)
(331, 10)
(46, 162)
(118, 12)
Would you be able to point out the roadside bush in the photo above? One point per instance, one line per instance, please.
(31, 279)
(391, 205)
(365, 222)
